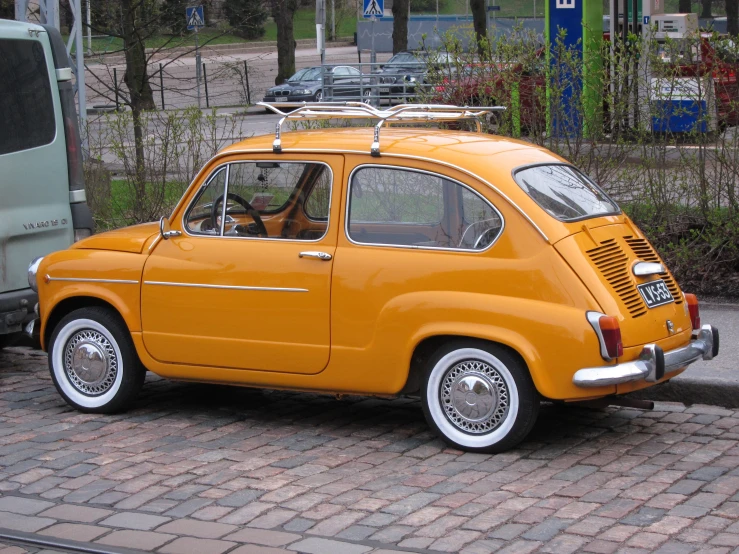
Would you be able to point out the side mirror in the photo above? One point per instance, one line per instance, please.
(165, 230)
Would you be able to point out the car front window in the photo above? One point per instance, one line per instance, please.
(309, 74)
(565, 193)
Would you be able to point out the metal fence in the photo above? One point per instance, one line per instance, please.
(219, 82)
(375, 83)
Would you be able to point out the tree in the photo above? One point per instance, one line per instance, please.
(246, 17)
(283, 12)
(400, 25)
(480, 23)
(7, 9)
(684, 6)
(732, 17)
(706, 8)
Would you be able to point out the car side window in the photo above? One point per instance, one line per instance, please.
(272, 199)
(401, 207)
(204, 217)
(317, 204)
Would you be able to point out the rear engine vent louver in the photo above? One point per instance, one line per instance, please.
(613, 264)
(646, 253)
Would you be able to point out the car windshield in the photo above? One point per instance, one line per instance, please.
(307, 74)
(565, 193)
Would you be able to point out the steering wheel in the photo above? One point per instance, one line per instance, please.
(215, 212)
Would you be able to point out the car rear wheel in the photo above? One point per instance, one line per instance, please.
(478, 396)
(93, 361)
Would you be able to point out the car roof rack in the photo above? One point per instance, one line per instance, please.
(402, 113)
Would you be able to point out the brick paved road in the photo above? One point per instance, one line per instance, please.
(210, 469)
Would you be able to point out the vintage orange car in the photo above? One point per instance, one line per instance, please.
(479, 272)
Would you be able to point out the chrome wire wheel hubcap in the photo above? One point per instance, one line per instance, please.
(90, 362)
(474, 397)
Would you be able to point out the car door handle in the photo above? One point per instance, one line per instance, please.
(324, 256)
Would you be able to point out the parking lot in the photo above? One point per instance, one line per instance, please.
(210, 469)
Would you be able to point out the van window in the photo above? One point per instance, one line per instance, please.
(26, 106)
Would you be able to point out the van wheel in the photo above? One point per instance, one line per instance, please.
(93, 361)
(479, 397)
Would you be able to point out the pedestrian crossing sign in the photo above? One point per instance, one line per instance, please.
(195, 18)
(374, 8)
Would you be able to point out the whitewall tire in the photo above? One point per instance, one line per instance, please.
(93, 362)
(478, 396)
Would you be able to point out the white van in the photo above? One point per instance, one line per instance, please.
(42, 195)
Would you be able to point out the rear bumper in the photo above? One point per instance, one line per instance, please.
(653, 363)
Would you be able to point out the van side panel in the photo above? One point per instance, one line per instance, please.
(35, 216)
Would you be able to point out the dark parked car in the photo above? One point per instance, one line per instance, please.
(307, 85)
(402, 73)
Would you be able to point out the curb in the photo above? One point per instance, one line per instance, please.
(720, 306)
(716, 392)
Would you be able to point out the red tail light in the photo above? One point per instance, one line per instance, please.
(611, 332)
(695, 314)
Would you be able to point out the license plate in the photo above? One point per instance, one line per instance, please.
(384, 90)
(655, 293)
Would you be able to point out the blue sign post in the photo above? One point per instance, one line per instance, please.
(195, 18)
(373, 8)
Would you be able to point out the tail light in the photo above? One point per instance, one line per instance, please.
(695, 314)
(611, 333)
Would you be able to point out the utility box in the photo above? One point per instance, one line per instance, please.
(675, 25)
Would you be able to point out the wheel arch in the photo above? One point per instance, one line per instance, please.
(67, 306)
(426, 347)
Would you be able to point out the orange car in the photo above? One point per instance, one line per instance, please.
(482, 273)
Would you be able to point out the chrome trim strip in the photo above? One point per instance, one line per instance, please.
(387, 155)
(594, 320)
(221, 236)
(85, 280)
(647, 364)
(225, 287)
(415, 247)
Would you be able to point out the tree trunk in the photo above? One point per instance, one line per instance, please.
(480, 23)
(685, 7)
(732, 17)
(400, 25)
(706, 8)
(136, 77)
(283, 12)
(141, 97)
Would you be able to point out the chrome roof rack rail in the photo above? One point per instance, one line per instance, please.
(402, 113)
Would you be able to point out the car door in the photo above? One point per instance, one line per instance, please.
(248, 285)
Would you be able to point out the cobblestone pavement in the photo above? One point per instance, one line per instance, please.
(207, 469)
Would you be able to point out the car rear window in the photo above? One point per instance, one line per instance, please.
(565, 193)
(26, 107)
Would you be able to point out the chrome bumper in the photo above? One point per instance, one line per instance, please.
(653, 364)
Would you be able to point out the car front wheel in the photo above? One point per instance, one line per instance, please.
(93, 361)
(479, 397)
